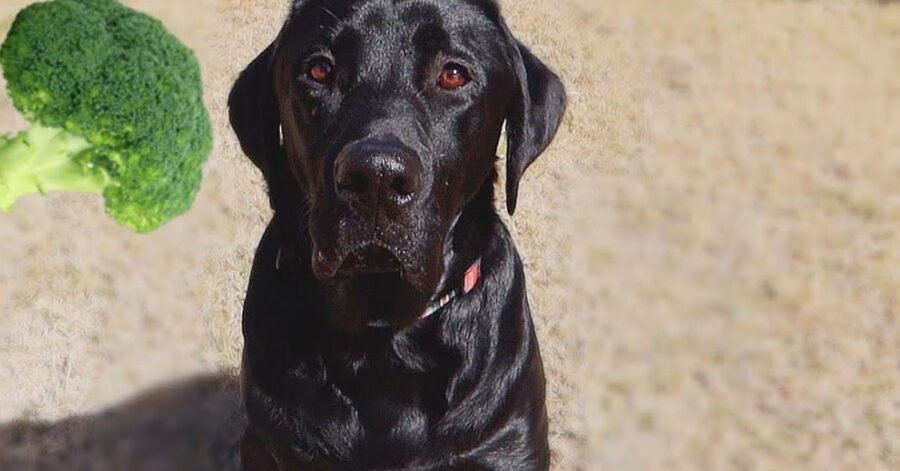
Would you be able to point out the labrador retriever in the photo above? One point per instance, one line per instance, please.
(386, 323)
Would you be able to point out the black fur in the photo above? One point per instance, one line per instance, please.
(464, 388)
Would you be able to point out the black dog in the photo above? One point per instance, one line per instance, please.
(386, 324)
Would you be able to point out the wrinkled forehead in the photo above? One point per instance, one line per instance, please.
(471, 26)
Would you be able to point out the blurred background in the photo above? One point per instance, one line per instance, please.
(711, 245)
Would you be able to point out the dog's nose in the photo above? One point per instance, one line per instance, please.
(377, 172)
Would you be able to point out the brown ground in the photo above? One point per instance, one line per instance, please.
(711, 243)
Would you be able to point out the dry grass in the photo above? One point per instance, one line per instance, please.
(711, 244)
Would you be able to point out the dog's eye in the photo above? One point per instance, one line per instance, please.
(320, 70)
(454, 77)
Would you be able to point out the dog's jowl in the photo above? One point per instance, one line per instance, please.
(386, 324)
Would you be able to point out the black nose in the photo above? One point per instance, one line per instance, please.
(377, 173)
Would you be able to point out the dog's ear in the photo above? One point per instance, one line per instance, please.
(532, 118)
(253, 111)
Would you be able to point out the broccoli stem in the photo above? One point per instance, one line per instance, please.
(43, 159)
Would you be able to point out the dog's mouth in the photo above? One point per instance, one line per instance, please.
(370, 259)
(374, 283)
(344, 249)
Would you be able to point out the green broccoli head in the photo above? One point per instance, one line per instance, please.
(117, 107)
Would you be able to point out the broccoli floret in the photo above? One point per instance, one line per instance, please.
(116, 107)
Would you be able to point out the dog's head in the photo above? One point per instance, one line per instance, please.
(375, 122)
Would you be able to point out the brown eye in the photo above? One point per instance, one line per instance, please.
(320, 71)
(454, 77)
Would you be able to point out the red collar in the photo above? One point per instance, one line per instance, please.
(469, 282)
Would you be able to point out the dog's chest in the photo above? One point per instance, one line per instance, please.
(395, 407)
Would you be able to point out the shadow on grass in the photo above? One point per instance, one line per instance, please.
(191, 425)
